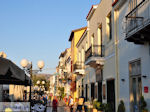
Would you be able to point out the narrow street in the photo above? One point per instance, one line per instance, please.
(61, 108)
(75, 55)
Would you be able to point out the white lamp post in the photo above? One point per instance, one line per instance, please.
(28, 65)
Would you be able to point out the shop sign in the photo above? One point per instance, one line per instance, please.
(145, 89)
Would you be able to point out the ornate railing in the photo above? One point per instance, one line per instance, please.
(79, 65)
(95, 50)
(138, 17)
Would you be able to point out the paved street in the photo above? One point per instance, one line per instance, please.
(61, 107)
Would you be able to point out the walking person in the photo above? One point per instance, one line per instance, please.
(55, 104)
(71, 103)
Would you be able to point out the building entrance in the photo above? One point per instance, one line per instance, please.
(111, 94)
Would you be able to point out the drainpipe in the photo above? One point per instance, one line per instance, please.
(117, 56)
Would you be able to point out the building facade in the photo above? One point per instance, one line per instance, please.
(110, 58)
(131, 28)
(74, 38)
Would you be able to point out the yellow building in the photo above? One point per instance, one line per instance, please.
(74, 38)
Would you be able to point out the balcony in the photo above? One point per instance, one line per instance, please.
(138, 23)
(94, 56)
(79, 68)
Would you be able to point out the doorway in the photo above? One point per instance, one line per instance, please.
(136, 93)
(135, 85)
(111, 94)
(100, 91)
(92, 91)
(86, 92)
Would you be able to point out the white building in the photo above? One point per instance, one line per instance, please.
(52, 84)
(133, 51)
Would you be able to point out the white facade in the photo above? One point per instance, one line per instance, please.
(52, 84)
(129, 52)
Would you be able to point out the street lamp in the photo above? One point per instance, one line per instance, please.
(41, 86)
(28, 68)
(3, 55)
(43, 82)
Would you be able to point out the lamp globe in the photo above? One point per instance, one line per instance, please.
(40, 64)
(24, 63)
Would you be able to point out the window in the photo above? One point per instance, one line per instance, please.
(104, 92)
(86, 47)
(99, 34)
(135, 68)
(92, 40)
(109, 26)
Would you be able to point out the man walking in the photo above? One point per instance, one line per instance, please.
(55, 104)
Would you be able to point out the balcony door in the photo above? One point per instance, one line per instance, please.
(99, 34)
(132, 18)
(132, 4)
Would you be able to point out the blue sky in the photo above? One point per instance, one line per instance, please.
(39, 29)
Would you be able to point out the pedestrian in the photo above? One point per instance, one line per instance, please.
(71, 103)
(55, 104)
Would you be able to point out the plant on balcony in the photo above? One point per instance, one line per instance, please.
(143, 105)
(121, 107)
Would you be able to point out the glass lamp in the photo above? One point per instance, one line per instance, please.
(24, 63)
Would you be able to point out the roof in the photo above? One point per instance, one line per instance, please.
(93, 8)
(72, 32)
(62, 54)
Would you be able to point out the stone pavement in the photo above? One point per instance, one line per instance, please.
(61, 107)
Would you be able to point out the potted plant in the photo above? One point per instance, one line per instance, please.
(143, 105)
(95, 105)
(100, 107)
(121, 107)
(108, 107)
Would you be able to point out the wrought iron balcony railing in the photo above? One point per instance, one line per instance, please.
(95, 51)
(138, 18)
(79, 65)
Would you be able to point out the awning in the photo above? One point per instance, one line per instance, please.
(10, 73)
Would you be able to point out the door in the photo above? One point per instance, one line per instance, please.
(100, 91)
(86, 92)
(92, 91)
(136, 92)
(111, 94)
(135, 85)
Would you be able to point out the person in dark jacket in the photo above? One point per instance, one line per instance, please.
(55, 104)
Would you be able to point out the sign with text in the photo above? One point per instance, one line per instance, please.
(145, 89)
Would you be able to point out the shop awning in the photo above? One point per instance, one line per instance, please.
(10, 73)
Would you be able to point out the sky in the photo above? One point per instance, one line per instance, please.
(39, 29)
